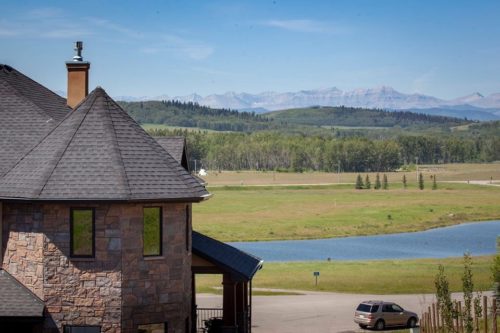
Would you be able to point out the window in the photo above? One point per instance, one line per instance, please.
(187, 228)
(82, 233)
(153, 328)
(152, 234)
(82, 329)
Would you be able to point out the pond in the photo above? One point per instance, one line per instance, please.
(478, 238)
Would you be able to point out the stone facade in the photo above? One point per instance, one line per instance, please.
(119, 289)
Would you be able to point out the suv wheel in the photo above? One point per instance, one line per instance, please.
(412, 322)
(380, 325)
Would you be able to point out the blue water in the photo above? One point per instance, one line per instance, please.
(478, 238)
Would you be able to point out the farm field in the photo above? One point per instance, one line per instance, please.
(251, 213)
(362, 277)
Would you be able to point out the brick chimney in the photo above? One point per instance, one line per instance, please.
(78, 77)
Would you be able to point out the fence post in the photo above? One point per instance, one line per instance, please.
(439, 319)
(434, 317)
(485, 313)
(494, 314)
(460, 318)
(429, 311)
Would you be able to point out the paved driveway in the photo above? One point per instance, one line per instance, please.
(314, 312)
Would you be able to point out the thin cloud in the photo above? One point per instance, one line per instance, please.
(108, 25)
(55, 23)
(192, 49)
(302, 25)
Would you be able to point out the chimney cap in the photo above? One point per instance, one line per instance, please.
(78, 49)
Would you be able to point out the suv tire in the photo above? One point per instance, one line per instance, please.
(412, 322)
(379, 325)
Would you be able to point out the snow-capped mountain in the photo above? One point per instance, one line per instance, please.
(381, 97)
(473, 106)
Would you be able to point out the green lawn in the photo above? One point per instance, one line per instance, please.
(364, 277)
(242, 213)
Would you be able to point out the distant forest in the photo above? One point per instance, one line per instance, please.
(174, 113)
(286, 152)
(319, 138)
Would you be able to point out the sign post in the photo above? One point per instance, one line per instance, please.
(316, 274)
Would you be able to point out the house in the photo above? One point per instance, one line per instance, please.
(95, 217)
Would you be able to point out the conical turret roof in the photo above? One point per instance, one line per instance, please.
(28, 111)
(97, 152)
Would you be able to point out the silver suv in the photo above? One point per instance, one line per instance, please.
(379, 315)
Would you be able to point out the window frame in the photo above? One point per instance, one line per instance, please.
(71, 227)
(160, 208)
(69, 328)
(188, 218)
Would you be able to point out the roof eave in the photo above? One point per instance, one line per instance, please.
(130, 200)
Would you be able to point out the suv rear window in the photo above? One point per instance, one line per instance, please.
(367, 308)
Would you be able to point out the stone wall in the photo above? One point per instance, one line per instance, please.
(23, 244)
(119, 289)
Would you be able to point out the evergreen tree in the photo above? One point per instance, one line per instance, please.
(421, 181)
(377, 182)
(385, 182)
(434, 184)
(368, 184)
(404, 182)
(359, 182)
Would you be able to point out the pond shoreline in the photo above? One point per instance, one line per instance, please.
(478, 238)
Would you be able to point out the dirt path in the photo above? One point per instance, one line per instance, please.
(314, 312)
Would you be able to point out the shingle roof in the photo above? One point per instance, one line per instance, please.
(242, 265)
(16, 300)
(174, 145)
(99, 153)
(28, 111)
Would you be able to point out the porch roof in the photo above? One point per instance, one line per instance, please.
(16, 300)
(240, 264)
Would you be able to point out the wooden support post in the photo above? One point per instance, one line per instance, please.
(228, 301)
(1, 236)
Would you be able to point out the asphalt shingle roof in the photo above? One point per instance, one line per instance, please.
(98, 152)
(28, 111)
(242, 265)
(16, 300)
(174, 145)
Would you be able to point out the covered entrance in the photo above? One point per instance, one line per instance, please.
(237, 269)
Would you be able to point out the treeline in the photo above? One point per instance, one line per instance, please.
(175, 113)
(278, 151)
(349, 116)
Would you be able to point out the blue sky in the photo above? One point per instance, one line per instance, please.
(442, 48)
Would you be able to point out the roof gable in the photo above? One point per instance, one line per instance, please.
(99, 153)
(176, 147)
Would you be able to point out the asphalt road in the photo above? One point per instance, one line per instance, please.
(314, 312)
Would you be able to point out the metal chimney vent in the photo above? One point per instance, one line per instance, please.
(78, 49)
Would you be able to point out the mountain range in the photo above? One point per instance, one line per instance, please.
(473, 106)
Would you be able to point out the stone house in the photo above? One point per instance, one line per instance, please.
(95, 216)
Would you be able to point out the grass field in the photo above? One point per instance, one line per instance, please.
(242, 213)
(445, 172)
(364, 277)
